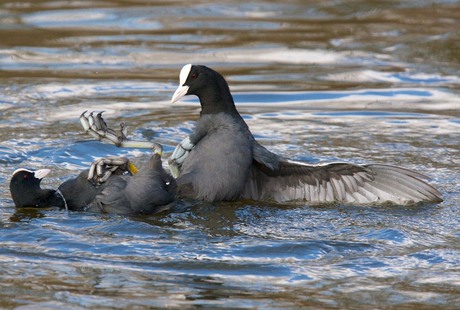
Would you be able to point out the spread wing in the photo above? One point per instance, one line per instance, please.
(275, 178)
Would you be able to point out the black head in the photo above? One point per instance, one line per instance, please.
(25, 187)
(208, 85)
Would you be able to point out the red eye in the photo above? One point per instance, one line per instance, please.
(26, 176)
(194, 75)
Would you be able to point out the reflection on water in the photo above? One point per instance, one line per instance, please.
(360, 82)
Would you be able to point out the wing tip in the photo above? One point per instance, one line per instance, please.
(406, 180)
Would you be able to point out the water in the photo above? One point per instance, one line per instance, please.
(356, 81)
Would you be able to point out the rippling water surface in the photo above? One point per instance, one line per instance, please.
(360, 81)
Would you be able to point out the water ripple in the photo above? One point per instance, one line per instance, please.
(317, 81)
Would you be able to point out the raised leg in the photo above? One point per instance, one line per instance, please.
(97, 128)
(178, 156)
(102, 168)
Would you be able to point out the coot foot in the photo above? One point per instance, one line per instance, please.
(102, 168)
(97, 128)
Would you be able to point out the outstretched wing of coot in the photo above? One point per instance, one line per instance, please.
(275, 178)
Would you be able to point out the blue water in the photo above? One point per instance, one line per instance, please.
(315, 82)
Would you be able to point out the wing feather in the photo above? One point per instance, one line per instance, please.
(273, 177)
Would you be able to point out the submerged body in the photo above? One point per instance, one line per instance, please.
(221, 160)
(151, 190)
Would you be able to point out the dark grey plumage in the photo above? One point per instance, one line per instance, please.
(221, 160)
(150, 191)
(218, 166)
(78, 192)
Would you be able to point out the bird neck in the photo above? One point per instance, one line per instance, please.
(51, 198)
(217, 102)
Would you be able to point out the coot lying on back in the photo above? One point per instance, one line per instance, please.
(150, 190)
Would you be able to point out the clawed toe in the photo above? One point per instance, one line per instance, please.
(97, 128)
(178, 156)
(101, 169)
(100, 123)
